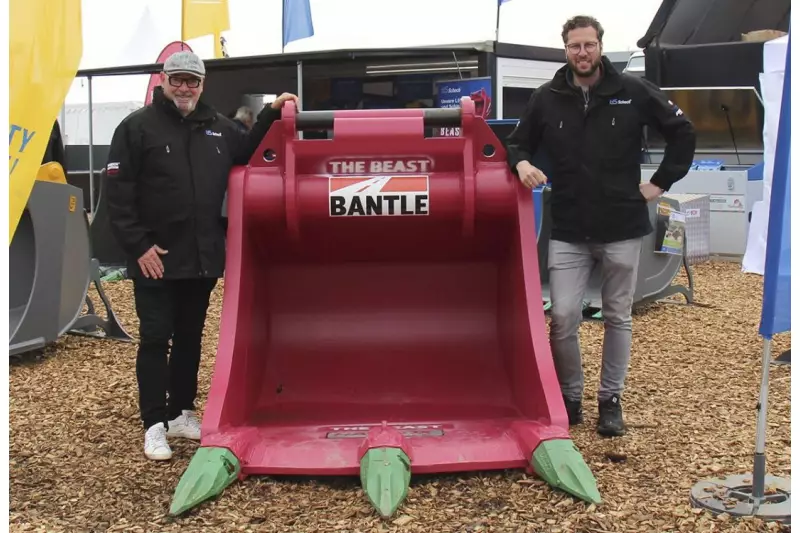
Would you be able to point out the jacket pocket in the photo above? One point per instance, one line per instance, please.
(561, 138)
(160, 157)
(623, 188)
(618, 131)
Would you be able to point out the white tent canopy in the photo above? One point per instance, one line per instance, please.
(133, 32)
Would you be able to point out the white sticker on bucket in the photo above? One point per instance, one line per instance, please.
(379, 166)
(408, 431)
(378, 195)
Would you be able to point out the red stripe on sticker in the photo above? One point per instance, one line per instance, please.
(341, 183)
(406, 184)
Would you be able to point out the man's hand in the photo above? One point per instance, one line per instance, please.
(529, 175)
(282, 99)
(650, 191)
(150, 263)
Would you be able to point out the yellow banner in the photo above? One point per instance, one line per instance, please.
(45, 48)
(205, 17)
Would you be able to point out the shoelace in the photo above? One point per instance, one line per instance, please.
(609, 407)
(192, 419)
(158, 436)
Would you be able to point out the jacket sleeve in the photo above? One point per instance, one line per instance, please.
(246, 143)
(677, 130)
(523, 142)
(122, 191)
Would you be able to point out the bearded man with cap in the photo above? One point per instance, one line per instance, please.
(166, 179)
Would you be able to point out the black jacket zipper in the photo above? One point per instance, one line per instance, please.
(192, 130)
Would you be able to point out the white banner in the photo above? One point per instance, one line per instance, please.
(771, 91)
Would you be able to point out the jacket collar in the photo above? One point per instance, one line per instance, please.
(202, 113)
(610, 82)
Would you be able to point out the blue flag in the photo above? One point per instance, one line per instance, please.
(776, 312)
(297, 22)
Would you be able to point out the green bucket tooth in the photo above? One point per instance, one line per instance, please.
(210, 471)
(385, 477)
(562, 466)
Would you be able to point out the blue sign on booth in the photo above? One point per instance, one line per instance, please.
(449, 94)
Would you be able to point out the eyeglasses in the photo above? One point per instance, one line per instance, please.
(575, 48)
(192, 83)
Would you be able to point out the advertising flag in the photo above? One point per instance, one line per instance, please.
(297, 23)
(45, 49)
(776, 307)
(205, 17)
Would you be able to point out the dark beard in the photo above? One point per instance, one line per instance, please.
(588, 74)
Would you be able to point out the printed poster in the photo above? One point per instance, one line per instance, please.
(449, 94)
(671, 230)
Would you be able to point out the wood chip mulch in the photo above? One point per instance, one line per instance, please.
(76, 461)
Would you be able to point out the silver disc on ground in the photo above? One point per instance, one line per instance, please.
(733, 495)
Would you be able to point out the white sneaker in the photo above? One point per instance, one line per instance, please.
(156, 447)
(186, 425)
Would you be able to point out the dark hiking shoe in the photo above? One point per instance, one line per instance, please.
(610, 423)
(574, 411)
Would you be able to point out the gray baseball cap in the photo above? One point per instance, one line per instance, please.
(185, 62)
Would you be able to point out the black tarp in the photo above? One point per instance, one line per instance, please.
(54, 152)
(698, 43)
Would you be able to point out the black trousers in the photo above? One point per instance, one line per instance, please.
(169, 310)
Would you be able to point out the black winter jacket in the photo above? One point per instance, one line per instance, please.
(595, 152)
(166, 178)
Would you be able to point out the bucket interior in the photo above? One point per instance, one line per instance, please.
(431, 328)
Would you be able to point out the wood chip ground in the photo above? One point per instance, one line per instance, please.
(76, 462)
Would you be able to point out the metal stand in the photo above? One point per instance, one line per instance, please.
(784, 359)
(687, 292)
(88, 324)
(596, 314)
(761, 495)
(91, 324)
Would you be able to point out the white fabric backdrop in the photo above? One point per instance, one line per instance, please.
(772, 91)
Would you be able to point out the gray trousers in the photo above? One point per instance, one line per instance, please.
(570, 266)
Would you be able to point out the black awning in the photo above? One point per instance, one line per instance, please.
(283, 60)
(693, 22)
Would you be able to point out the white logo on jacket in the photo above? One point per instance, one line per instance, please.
(112, 169)
(213, 133)
(675, 108)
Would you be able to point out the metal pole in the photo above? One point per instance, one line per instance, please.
(498, 109)
(300, 90)
(91, 153)
(300, 84)
(64, 125)
(760, 460)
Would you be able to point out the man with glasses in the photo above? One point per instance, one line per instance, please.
(588, 120)
(166, 178)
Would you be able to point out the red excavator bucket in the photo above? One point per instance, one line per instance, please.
(382, 313)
